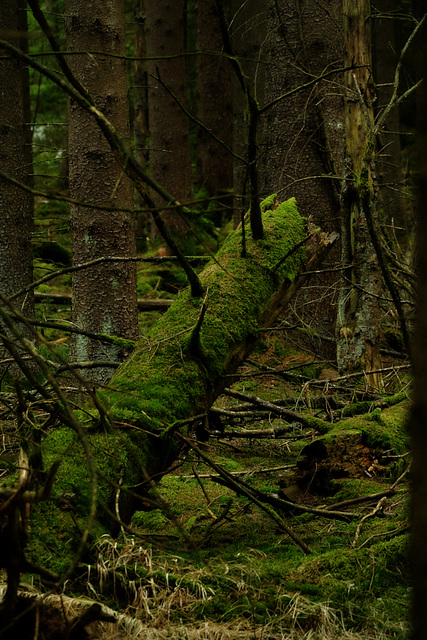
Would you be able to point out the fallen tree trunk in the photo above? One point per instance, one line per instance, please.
(176, 372)
(144, 304)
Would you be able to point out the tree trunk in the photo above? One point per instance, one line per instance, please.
(304, 132)
(104, 298)
(248, 29)
(358, 330)
(389, 157)
(418, 419)
(16, 205)
(176, 373)
(170, 162)
(140, 120)
(214, 108)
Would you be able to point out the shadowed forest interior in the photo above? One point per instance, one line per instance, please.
(213, 295)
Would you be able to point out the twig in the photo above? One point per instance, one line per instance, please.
(378, 507)
(238, 488)
(144, 304)
(287, 504)
(240, 473)
(308, 421)
(373, 496)
(201, 485)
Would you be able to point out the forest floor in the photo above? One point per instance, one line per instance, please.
(211, 559)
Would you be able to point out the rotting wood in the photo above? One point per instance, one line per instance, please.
(167, 380)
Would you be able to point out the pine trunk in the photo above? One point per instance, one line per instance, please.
(16, 205)
(248, 28)
(418, 418)
(214, 105)
(389, 157)
(305, 134)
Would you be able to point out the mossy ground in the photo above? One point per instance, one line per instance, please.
(209, 564)
(223, 562)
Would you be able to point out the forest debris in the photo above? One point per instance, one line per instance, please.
(239, 487)
(289, 506)
(241, 473)
(321, 426)
(378, 509)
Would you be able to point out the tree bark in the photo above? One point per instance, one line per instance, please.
(418, 419)
(358, 331)
(248, 29)
(389, 158)
(214, 105)
(170, 162)
(304, 133)
(16, 205)
(140, 119)
(104, 300)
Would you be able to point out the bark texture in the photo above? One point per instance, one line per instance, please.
(389, 158)
(358, 331)
(104, 299)
(304, 133)
(214, 104)
(170, 162)
(16, 205)
(248, 28)
(140, 117)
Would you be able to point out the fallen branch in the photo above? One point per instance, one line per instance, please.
(286, 505)
(308, 421)
(377, 509)
(240, 488)
(256, 434)
(144, 304)
(239, 473)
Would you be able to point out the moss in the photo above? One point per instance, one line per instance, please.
(384, 430)
(367, 406)
(55, 532)
(164, 380)
(359, 582)
(268, 203)
(123, 343)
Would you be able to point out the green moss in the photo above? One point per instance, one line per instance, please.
(268, 202)
(384, 430)
(164, 380)
(123, 343)
(54, 533)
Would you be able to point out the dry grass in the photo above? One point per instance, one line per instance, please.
(168, 603)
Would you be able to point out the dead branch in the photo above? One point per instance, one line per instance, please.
(378, 509)
(308, 421)
(240, 489)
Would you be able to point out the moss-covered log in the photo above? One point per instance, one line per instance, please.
(175, 373)
(364, 446)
